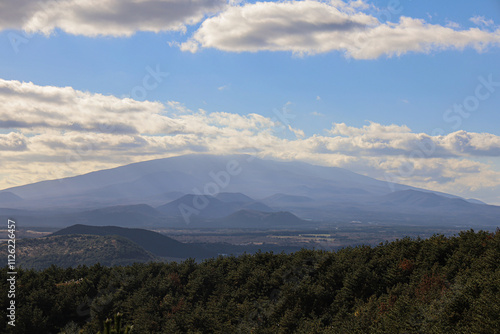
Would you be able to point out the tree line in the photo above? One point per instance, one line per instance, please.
(436, 285)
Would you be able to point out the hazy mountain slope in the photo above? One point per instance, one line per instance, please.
(419, 199)
(234, 197)
(209, 206)
(7, 197)
(311, 192)
(245, 174)
(203, 206)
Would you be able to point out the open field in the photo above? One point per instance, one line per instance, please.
(328, 238)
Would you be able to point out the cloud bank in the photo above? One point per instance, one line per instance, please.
(104, 17)
(305, 27)
(51, 132)
(313, 27)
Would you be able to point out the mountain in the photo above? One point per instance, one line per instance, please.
(210, 206)
(151, 241)
(75, 250)
(324, 194)
(145, 182)
(202, 206)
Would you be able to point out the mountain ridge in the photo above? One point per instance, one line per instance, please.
(310, 192)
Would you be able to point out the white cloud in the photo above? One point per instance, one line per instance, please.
(51, 132)
(105, 17)
(482, 21)
(303, 27)
(312, 27)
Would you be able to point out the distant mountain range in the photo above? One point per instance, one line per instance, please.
(237, 190)
(220, 206)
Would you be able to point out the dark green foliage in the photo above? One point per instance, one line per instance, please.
(438, 285)
(115, 327)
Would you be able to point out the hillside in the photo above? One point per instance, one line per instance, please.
(75, 250)
(153, 242)
(438, 285)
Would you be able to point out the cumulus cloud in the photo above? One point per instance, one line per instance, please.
(304, 27)
(104, 17)
(312, 27)
(51, 132)
(375, 139)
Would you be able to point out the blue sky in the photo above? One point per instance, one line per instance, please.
(361, 85)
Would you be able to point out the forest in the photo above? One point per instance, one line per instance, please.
(411, 285)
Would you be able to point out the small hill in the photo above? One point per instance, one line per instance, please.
(151, 241)
(74, 250)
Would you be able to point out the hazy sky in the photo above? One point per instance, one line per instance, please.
(407, 91)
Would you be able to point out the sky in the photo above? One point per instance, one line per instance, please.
(400, 90)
